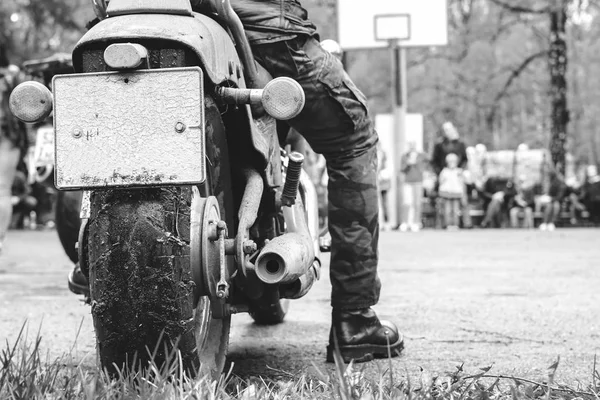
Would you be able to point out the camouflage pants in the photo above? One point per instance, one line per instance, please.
(335, 122)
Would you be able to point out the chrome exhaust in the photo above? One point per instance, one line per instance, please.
(302, 285)
(287, 258)
(311, 205)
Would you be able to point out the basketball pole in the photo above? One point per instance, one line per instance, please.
(399, 103)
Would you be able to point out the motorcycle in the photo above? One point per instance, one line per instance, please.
(191, 212)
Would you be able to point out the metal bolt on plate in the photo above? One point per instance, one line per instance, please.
(179, 127)
(77, 133)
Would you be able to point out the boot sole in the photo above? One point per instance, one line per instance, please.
(77, 288)
(366, 352)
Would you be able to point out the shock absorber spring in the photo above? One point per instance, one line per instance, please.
(292, 179)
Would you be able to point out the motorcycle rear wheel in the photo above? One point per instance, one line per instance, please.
(269, 309)
(141, 280)
(141, 285)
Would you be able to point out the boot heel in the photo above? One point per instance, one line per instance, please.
(351, 354)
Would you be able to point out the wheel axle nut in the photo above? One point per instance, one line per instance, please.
(250, 247)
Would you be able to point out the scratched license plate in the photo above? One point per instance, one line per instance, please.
(143, 128)
(44, 147)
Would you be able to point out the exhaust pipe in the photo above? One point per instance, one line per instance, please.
(311, 205)
(301, 286)
(288, 257)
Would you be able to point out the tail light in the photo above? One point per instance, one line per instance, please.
(125, 55)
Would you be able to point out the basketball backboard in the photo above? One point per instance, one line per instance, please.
(392, 27)
(428, 22)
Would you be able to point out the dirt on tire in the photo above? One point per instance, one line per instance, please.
(141, 281)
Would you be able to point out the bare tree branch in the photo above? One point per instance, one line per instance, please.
(445, 90)
(514, 75)
(440, 55)
(520, 9)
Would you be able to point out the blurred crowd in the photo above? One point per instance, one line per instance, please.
(463, 187)
(456, 187)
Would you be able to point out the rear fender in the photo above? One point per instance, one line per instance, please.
(215, 51)
(200, 34)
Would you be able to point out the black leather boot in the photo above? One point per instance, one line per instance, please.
(361, 336)
(78, 283)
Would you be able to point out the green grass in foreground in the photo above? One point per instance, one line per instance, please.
(25, 375)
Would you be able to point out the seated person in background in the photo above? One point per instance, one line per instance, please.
(553, 193)
(573, 192)
(590, 193)
(496, 195)
(452, 190)
(522, 204)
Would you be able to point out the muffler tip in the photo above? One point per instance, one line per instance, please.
(270, 268)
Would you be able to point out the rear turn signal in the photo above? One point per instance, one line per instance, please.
(283, 98)
(31, 102)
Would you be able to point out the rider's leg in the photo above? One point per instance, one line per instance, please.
(336, 123)
(9, 159)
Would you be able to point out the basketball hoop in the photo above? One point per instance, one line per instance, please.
(392, 27)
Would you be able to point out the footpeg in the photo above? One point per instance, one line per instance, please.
(292, 179)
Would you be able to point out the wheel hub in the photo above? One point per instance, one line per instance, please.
(206, 250)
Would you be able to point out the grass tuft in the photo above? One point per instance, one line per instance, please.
(25, 374)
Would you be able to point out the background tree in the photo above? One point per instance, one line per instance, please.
(557, 62)
(34, 28)
(493, 79)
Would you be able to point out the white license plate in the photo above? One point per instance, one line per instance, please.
(44, 147)
(144, 128)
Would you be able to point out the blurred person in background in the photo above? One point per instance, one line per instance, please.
(13, 142)
(451, 143)
(522, 204)
(590, 193)
(475, 168)
(23, 203)
(573, 193)
(496, 194)
(549, 201)
(384, 182)
(452, 190)
(412, 164)
(480, 162)
(480, 150)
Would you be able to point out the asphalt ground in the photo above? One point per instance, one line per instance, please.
(516, 299)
